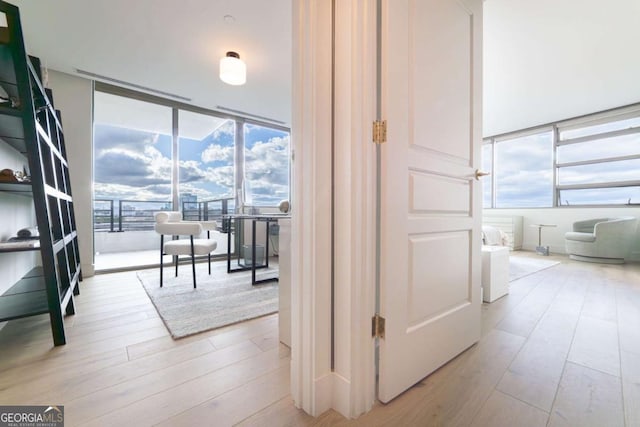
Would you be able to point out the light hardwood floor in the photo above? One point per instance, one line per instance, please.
(562, 349)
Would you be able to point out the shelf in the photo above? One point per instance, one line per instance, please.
(26, 298)
(29, 283)
(9, 111)
(7, 74)
(11, 124)
(18, 249)
(18, 144)
(4, 83)
(35, 271)
(11, 88)
(34, 130)
(21, 188)
(5, 38)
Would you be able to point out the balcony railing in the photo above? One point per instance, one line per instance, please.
(110, 215)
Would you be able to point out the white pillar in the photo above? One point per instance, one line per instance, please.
(334, 94)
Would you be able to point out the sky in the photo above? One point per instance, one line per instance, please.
(136, 165)
(523, 172)
(524, 168)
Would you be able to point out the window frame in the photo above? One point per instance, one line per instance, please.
(603, 117)
(239, 120)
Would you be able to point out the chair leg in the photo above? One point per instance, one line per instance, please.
(209, 255)
(193, 263)
(161, 253)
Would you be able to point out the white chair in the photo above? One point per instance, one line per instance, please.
(605, 240)
(171, 224)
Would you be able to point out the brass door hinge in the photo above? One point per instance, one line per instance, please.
(377, 326)
(380, 131)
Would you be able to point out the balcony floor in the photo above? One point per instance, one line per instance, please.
(128, 260)
(137, 260)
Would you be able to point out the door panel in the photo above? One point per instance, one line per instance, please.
(453, 194)
(439, 66)
(430, 201)
(434, 292)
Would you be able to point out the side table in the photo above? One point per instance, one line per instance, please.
(542, 250)
(495, 272)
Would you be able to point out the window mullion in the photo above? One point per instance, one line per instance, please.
(494, 179)
(554, 152)
(175, 161)
(240, 196)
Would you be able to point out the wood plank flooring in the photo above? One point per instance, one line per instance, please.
(562, 349)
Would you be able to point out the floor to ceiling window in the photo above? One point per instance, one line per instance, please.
(132, 149)
(150, 157)
(487, 183)
(266, 165)
(132, 172)
(206, 152)
(523, 171)
(592, 160)
(598, 162)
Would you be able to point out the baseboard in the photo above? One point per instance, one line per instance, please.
(333, 391)
(88, 270)
(560, 250)
(341, 399)
(597, 259)
(323, 394)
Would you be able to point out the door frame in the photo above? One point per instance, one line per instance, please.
(333, 273)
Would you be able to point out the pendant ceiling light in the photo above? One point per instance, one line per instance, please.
(233, 70)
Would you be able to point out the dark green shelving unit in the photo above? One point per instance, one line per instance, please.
(31, 126)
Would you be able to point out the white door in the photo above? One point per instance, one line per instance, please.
(430, 200)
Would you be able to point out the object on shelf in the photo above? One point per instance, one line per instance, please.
(7, 99)
(9, 175)
(26, 237)
(28, 233)
(284, 206)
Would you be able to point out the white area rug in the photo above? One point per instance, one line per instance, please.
(523, 266)
(220, 299)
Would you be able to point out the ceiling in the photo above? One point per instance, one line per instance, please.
(170, 46)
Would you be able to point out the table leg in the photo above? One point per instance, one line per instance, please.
(539, 236)
(228, 244)
(266, 252)
(253, 252)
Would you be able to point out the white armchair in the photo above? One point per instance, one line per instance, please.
(605, 240)
(171, 224)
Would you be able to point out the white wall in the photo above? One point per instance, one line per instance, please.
(548, 60)
(73, 96)
(563, 218)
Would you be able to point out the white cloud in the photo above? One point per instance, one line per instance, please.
(129, 192)
(267, 171)
(227, 129)
(202, 193)
(223, 175)
(217, 153)
(129, 165)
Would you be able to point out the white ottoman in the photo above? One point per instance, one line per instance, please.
(495, 272)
